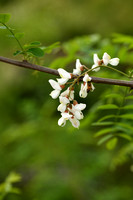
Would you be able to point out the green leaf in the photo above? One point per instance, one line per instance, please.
(104, 139)
(114, 95)
(125, 126)
(129, 97)
(19, 35)
(108, 106)
(111, 143)
(125, 136)
(35, 43)
(17, 53)
(128, 107)
(106, 117)
(103, 123)
(126, 116)
(4, 18)
(38, 52)
(13, 177)
(103, 131)
(50, 48)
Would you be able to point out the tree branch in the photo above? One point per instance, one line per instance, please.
(28, 65)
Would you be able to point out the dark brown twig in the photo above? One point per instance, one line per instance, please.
(28, 65)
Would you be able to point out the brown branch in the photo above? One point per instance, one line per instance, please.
(28, 65)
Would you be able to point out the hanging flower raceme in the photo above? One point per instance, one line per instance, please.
(69, 108)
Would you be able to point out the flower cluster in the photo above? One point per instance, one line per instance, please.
(70, 109)
(104, 61)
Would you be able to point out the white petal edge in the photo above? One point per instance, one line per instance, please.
(62, 81)
(62, 122)
(114, 61)
(106, 58)
(96, 59)
(64, 74)
(55, 93)
(80, 106)
(55, 85)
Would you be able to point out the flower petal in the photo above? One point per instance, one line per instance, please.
(78, 64)
(114, 61)
(96, 59)
(106, 58)
(80, 106)
(61, 122)
(86, 78)
(92, 87)
(79, 115)
(62, 81)
(64, 100)
(61, 107)
(64, 74)
(55, 93)
(75, 122)
(83, 91)
(66, 115)
(55, 85)
(95, 69)
(76, 72)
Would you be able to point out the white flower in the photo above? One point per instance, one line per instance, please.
(96, 63)
(86, 78)
(57, 89)
(107, 60)
(62, 106)
(63, 100)
(78, 69)
(76, 109)
(64, 74)
(75, 122)
(83, 91)
(62, 120)
(68, 92)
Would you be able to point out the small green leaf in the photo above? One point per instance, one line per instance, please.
(128, 107)
(103, 123)
(108, 106)
(13, 177)
(36, 43)
(104, 139)
(38, 52)
(103, 131)
(17, 53)
(106, 117)
(19, 35)
(111, 143)
(129, 97)
(50, 48)
(125, 136)
(4, 18)
(114, 95)
(127, 116)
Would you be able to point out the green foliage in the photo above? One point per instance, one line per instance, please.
(4, 18)
(38, 52)
(65, 161)
(7, 186)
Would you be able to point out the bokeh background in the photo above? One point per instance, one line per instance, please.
(60, 163)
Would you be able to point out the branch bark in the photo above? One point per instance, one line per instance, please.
(28, 65)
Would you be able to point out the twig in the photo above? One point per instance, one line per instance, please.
(28, 65)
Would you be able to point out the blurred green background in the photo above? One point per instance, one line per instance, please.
(60, 163)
